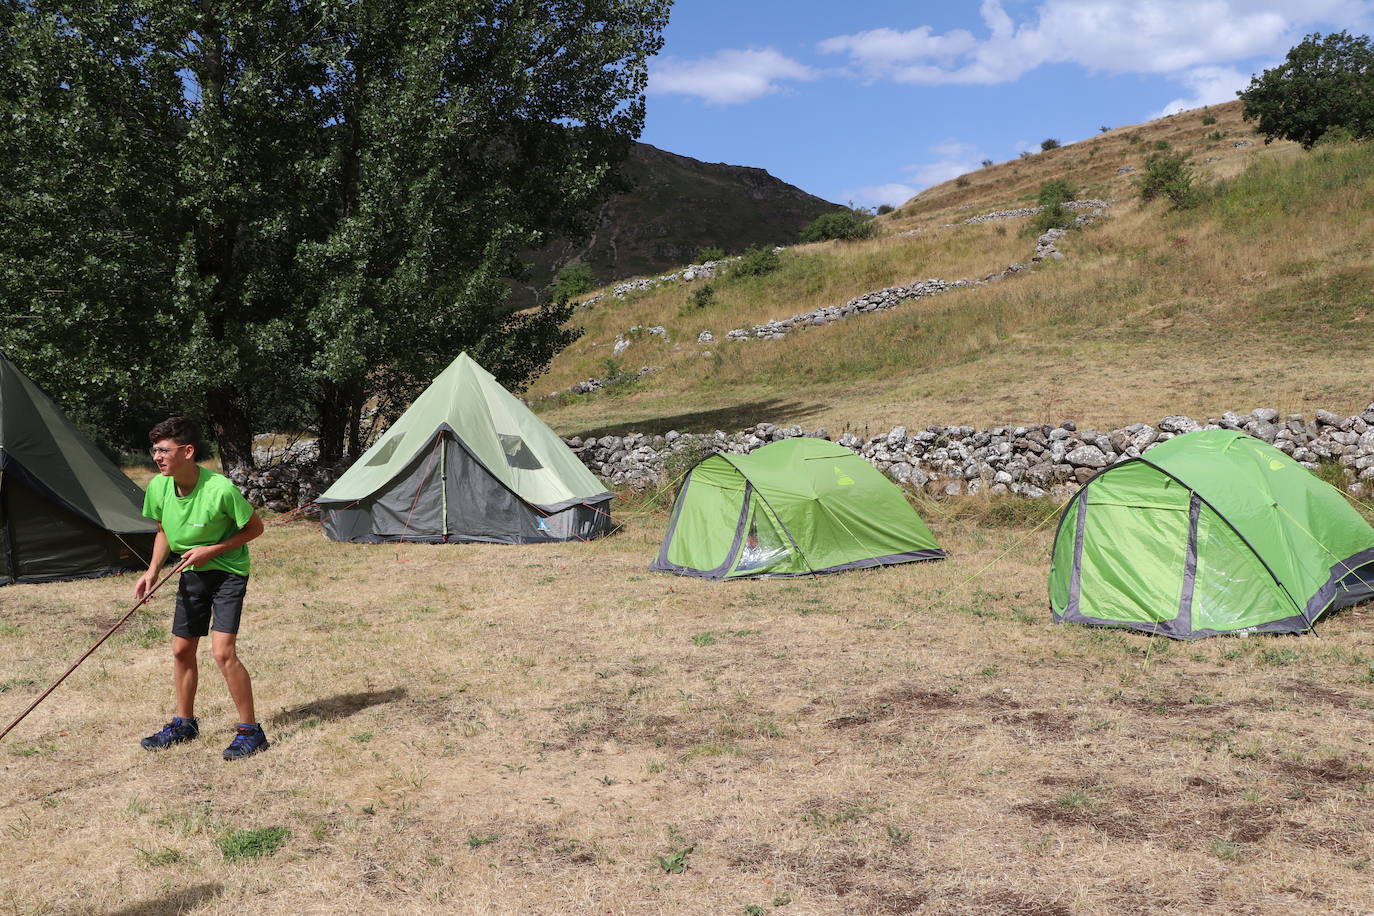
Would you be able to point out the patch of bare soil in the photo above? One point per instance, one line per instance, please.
(1334, 698)
(1325, 772)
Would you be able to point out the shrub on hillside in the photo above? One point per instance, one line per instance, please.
(701, 297)
(1324, 82)
(710, 253)
(844, 225)
(573, 280)
(756, 262)
(884, 209)
(1047, 145)
(1053, 215)
(987, 163)
(1208, 120)
(1168, 175)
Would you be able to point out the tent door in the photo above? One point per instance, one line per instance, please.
(1133, 562)
(764, 545)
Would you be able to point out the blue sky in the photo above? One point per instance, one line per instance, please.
(872, 101)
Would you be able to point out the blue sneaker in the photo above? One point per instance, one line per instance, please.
(174, 732)
(248, 740)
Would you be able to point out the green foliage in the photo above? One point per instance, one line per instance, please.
(251, 844)
(1214, 136)
(961, 182)
(1049, 144)
(1053, 215)
(1208, 120)
(845, 225)
(884, 209)
(1168, 175)
(756, 262)
(476, 841)
(986, 163)
(1104, 128)
(701, 297)
(710, 253)
(573, 280)
(269, 220)
(1325, 82)
(675, 863)
(1162, 145)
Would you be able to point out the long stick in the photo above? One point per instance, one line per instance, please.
(108, 633)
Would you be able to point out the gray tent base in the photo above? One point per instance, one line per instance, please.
(446, 496)
(1351, 583)
(915, 556)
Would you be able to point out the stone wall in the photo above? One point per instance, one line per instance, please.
(1030, 460)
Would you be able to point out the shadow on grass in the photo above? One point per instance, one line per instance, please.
(730, 419)
(182, 901)
(340, 706)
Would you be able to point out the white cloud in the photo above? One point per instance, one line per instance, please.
(727, 77)
(894, 194)
(1207, 86)
(1113, 36)
(955, 159)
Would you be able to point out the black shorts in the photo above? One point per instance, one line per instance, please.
(206, 593)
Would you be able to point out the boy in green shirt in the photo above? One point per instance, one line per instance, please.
(202, 516)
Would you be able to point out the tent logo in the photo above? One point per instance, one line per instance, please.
(1275, 464)
(842, 478)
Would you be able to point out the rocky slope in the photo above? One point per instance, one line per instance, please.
(677, 206)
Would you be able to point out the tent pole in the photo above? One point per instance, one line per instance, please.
(119, 623)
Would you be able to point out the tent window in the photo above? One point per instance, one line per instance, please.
(763, 547)
(518, 454)
(386, 451)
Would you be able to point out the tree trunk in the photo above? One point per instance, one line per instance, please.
(334, 423)
(231, 429)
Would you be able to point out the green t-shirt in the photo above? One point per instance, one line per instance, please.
(213, 511)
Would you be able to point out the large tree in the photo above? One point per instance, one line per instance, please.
(275, 212)
(1324, 83)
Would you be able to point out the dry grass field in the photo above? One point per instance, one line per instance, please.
(555, 729)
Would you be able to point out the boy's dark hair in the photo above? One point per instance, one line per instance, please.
(182, 431)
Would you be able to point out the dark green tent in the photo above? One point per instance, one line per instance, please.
(1209, 533)
(793, 508)
(66, 512)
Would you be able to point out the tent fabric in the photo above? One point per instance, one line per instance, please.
(1212, 532)
(466, 462)
(65, 510)
(795, 507)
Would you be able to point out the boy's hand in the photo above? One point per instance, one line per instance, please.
(144, 584)
(197, 555)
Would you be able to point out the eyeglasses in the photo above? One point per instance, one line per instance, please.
(159, 450)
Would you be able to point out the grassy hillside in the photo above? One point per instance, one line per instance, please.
(1260, 296)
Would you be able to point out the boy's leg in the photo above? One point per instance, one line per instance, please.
(185, 674)
(223, 645)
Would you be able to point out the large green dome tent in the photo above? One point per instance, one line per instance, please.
(466, 462)
(793, 508)
(66, 512)
(1212, 532)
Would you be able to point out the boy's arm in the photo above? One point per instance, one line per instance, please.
(160, 552)
(197, 556)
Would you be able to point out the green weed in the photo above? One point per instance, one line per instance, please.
(251, 844)
(476, 841)
(675, 863)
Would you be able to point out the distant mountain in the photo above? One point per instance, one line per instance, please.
(677, 206)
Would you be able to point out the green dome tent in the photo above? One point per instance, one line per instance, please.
(793, 508)
(466, 462)
(66, 512)
(1212, 532)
